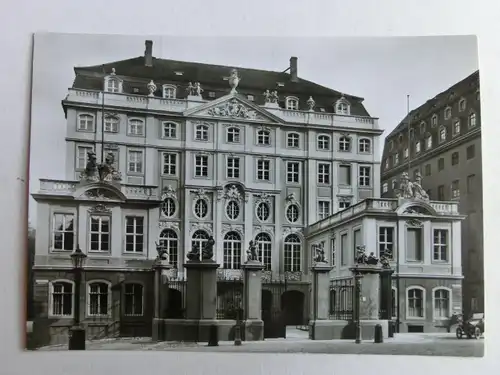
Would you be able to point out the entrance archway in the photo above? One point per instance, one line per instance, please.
(292, 305)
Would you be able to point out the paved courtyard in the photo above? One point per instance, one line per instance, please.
(297, 342)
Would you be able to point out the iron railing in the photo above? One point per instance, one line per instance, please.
(341, 299)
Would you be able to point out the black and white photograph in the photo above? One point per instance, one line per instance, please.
(256, 195)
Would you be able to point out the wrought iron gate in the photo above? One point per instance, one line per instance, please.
(272, 306)
(341, 299)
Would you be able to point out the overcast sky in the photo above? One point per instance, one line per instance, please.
(381, 70)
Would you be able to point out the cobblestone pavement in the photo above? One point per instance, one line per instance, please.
(402, 344)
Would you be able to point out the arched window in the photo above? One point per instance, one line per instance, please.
(232, 250)
(342, 107)
(292, 103)
(168, 207)
(233, 135)
(169, 91)
(133, 296)
(415, 302)
(198, 241)
(434, 121)
(61, 298)
(169, 240)
(428, 142)
(365, 145)
(447, 113)
(263, 211)
(232, 210)
(99, 298)
(201, 208)
(263, 137)
(344, 144)
(201, 133)
(441, 303)
(112, 85)
(293, 140)
(86, 122)
(292, 213)
(323, 142)
(292, 253)
(264, 246)
(111, 124)
(135, 127)
(461, 105)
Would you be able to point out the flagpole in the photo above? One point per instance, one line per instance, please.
(102, 118)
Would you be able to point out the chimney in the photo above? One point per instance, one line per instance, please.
(293, 69)
(148, 53)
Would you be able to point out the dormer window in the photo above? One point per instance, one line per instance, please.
(112, 85)
(342, 107)
(211, 94)
(292, 103)
(169, 91)
(250, 97)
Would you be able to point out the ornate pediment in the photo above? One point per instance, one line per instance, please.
(99, 209)
(292, 230)
(232, 107)
(232, 192)
(414, 223)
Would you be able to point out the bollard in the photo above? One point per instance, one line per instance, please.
(237, 334)
(213, 336)
(378, 337)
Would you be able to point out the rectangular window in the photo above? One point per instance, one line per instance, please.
(427, 170)
(135, 161)
(323, 173)
(62, 299)
(233, 167)
(201, 166)
(415, 303)
(323, 209)
(343, 249)
(440, 245)
(169, 164)
(82, 156)
(292, 172)
(98, 299)
(441, 193)
(169, 130)
(134, 234)
(455, 189)
(263, 170)
(414, 244)
(385, 187)
(440, 164)
(345, 175)
(133, 295)
(358, 241)
(455, 158)
(100, 233)
(63, 232)
(386, 241)
(406, 153)
(470, 183)
(441, 304)
(136, 127)
(111, 124)
(332, 247)
(417, 147)
(471, 152)
(364, 176)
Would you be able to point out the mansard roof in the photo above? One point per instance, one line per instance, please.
(136, 75)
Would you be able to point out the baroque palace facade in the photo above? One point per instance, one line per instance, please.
(195, 153)
(443, 145)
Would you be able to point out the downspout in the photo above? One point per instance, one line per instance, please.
(398, 284)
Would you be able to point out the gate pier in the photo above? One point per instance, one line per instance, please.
(252, 307)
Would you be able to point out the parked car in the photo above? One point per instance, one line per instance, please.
(471, 328)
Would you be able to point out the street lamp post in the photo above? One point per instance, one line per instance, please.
(357, 278)
(77, 332)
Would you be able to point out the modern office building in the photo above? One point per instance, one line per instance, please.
(191, 151)
(443, 144)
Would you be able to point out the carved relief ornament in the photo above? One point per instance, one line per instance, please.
(232, 108)
(207, 227)
(99, 208)
(168, 192)
(291, 230)
(168, 225)
(232, 193)
(263, 197)
(233, 228)
(414, 223)
(263, 229)
(200, 194)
